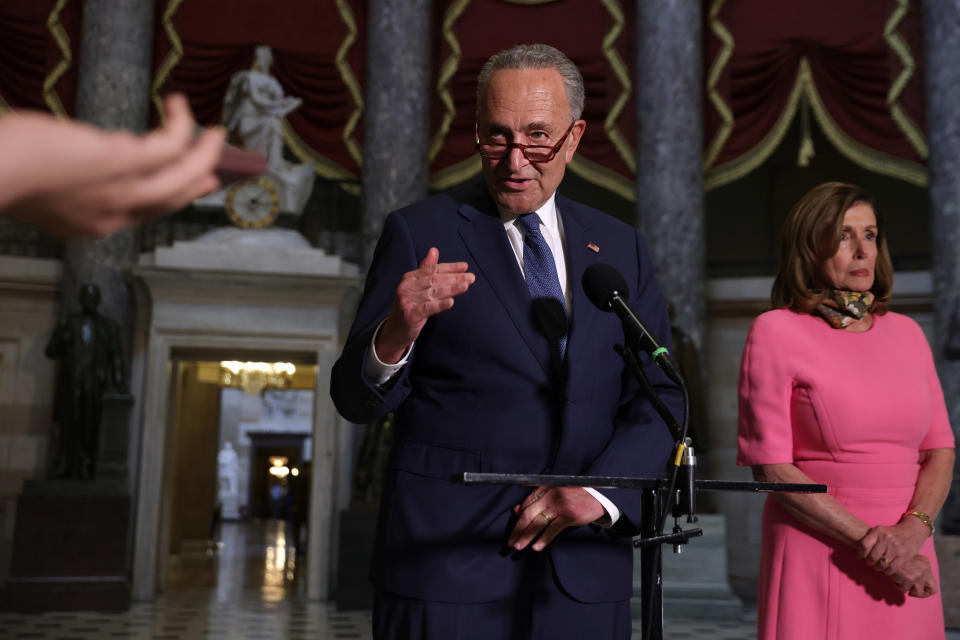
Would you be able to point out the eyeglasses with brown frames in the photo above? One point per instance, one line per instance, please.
(532, 152)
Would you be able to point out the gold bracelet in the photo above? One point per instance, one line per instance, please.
(924, 518)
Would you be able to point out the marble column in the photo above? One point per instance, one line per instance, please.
(396, 136)
(669, 89)
(941, 51)
(113, 92)
(670, 212)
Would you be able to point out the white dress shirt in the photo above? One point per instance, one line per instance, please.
(551, 228)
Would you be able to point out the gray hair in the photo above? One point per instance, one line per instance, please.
(536, 56)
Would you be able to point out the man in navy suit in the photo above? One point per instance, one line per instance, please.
(482, 379)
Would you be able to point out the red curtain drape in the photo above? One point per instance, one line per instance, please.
(30, 54)
(855, 65)
(318, 56)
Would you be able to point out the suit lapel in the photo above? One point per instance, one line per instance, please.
(576, 231)
(487, 242)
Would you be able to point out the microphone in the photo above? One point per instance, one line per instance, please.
(607, 290)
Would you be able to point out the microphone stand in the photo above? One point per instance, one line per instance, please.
(653, 510)
(652, 538)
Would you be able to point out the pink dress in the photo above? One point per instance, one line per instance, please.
(851, 410)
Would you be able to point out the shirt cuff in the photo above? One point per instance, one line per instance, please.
(613, 513)
(376, 371)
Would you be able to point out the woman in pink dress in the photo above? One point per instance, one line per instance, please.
(835, 389)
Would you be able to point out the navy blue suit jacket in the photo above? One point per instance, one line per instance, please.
(480, 394)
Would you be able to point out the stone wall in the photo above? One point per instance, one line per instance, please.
(28, 309)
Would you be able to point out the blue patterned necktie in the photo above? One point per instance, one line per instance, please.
(539, 268)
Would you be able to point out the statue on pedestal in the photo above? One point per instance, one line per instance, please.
(253, 110)
(91, 361)
(228, 475)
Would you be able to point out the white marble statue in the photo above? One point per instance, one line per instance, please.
(228, 481)
(253, 109)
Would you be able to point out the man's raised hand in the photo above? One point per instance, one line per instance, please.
(423, 292)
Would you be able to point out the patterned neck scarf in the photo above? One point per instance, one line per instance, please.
(842, 308)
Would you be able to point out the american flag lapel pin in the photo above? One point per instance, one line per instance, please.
(593, 247)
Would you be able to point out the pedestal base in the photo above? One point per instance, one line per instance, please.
(69, 548)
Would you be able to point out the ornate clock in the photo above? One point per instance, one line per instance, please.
(253, 203)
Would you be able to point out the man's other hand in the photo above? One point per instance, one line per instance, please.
(549, 510)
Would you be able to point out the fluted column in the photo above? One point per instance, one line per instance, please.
(942, 48)
(116, 45)
(395, 166)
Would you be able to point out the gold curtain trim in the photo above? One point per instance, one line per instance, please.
(623, 147)
(455, 174)
(716, 70)
(62, 40)
(899, 46)
(326, 167)
(876, 161)
(346, 74)
(603, 177)
(860, 154)
(447, 71)
(173, 58)
(741, 166)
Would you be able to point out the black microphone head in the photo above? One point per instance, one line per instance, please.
(601, 283)
(550, 318)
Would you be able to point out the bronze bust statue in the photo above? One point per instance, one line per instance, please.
(88, 347)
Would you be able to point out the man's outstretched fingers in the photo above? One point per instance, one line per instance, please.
(430, 260)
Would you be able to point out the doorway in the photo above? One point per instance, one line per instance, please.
(221, 530)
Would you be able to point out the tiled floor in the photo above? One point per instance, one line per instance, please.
(248, 589)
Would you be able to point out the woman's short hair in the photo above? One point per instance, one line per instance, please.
(811, 235)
